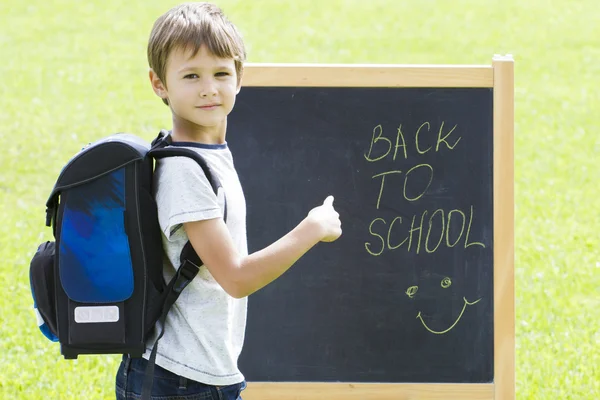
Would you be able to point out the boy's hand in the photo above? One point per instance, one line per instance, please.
(326, 220)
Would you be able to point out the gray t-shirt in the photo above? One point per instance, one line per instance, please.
(204, 330)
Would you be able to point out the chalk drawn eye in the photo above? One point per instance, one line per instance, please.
(411, 291)
(446, 282)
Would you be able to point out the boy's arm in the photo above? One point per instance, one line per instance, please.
(242, 276)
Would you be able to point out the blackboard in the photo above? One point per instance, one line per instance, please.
(407, 293)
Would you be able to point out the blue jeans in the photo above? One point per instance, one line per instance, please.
(167, 385)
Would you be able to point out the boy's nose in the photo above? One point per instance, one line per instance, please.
(207, 93)
(208, 90)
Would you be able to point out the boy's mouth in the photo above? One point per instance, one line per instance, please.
(208, 106)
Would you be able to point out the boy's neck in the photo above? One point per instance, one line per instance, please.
(186, 132)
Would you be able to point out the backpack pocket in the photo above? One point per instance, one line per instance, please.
(41, 279)
(94, 259)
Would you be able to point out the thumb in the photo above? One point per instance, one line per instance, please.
(328, 201)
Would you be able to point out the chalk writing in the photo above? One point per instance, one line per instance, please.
(413, 236)
(382, 145)
(443, 139)
(418, 193)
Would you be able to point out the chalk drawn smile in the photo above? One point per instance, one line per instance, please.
(455, 322)
(446, 282)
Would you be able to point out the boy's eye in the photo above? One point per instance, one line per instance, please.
(190, 76)
(222, 74)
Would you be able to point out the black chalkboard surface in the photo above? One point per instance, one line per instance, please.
(406, 294)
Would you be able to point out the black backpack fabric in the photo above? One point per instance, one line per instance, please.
(98, 288)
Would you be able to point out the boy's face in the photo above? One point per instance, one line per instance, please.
(201, 89)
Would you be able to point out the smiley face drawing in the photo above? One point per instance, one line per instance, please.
(445, 283)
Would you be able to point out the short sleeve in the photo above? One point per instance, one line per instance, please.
(183, 194)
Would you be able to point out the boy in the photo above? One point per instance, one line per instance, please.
(196, 62)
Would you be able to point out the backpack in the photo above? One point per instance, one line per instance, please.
(98, 288)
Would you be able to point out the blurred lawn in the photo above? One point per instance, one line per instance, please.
(71, 72)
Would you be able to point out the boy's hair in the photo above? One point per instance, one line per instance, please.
(188, 26)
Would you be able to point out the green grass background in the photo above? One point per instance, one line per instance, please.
(72, 72)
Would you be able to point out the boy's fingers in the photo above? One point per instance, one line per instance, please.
(328, 201)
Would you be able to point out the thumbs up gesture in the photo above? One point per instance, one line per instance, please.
(326, 220)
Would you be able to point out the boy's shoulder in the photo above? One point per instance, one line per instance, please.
(196, 159)
(203, 170)
(183, 192)
(176, 171)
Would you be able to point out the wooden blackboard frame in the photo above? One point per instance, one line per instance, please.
(500, 77)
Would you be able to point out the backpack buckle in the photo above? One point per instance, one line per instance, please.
(185, 274)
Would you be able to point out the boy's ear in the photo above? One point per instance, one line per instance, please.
(239, 84)
(157, 85)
